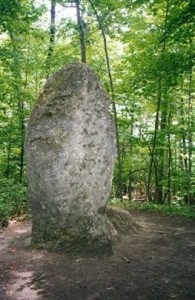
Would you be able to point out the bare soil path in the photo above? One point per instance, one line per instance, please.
(156, 263)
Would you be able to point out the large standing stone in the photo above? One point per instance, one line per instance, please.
(69, 155)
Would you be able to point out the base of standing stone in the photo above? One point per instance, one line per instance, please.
(89, 242)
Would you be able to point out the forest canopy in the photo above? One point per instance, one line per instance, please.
(143, 52)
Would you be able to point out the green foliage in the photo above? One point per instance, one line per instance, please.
(174, 209)
(16, 14)
(12, 199)
(151, 53)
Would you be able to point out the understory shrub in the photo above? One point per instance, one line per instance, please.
(12, 199)
(173, 209)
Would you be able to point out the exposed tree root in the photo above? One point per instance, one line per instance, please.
(120, 222)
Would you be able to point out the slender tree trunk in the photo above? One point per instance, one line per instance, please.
(81, 32)
(161, 154)
(52, 33)
(130, 154)
(152, 158)
(20, 105)
(9, 146)
(159, 169)
(168, 195)
(189, 122)
(113, 99)
(22, 132)
(183, 159)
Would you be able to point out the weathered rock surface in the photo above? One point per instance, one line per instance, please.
(70, 148)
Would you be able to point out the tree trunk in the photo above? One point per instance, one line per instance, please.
(154, 162)
(130, 154)
(113, 99)
(20, 105)
(189, 123)
(156, 129)
(81, 32)
(161, 155)
(22, 131)
(169, 162)
(51, 37)
(183, 159)
(9, 146)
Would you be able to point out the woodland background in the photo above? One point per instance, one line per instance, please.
(143, 52)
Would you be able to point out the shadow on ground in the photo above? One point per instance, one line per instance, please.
(157, 262)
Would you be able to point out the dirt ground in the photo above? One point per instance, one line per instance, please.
(157, 262)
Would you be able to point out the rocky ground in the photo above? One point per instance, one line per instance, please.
(156, 262)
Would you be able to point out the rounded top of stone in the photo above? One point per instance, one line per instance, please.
(72, 78)
(65, 91)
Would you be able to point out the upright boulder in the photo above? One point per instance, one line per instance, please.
(69, 149)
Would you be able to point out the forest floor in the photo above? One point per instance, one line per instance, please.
(155, 263)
